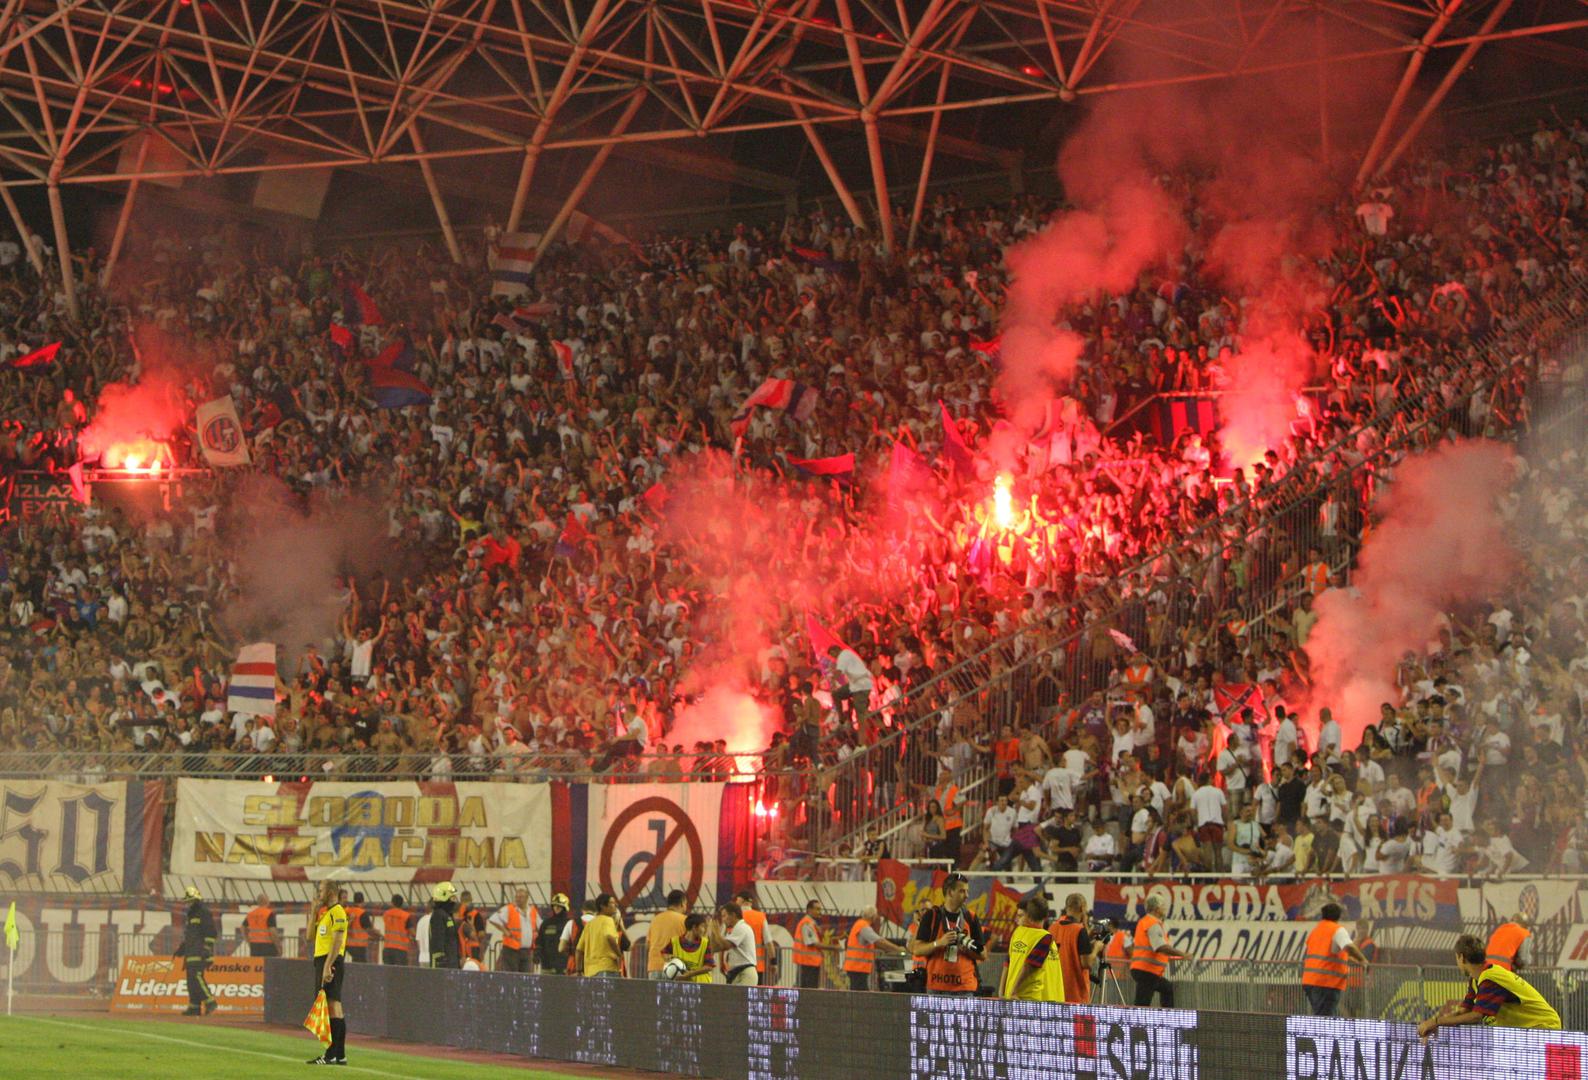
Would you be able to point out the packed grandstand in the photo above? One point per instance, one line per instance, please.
(584, 553)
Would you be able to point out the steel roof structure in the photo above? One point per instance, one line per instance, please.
(125, 91)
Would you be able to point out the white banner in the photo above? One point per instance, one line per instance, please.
(400, 831)
(57, 837)
(648, 839)
(220, 433)
(1541, 899)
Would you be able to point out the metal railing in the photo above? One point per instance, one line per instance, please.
(1022, 679)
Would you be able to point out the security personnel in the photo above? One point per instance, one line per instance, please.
(469, 936)
(1150, 954)
(947, 795)
(693, 947)
(860, 953)
(809, 946)
(918, 971)
(197, 950)
(259, 925)
(330, 962)
(1510, 946)
(358, 927)
(951, 940)
(1324, 971)
(1495, 996)
(757, 921)
(1035, 971)
(514, 956)
(397, 939)
(549, 936)
(445, 942)
(1077, 951)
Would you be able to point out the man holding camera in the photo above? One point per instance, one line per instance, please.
(951, 940)
(1078, 949)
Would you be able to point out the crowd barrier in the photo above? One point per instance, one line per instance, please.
(771, 1033)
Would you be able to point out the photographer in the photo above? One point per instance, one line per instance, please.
(1079, 948)
(951, 940)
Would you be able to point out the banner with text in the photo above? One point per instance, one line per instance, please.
(58, 837)
(399, 831)
(158, 984)
(1388, 899)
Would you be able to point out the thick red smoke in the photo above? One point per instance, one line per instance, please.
(1442, 543)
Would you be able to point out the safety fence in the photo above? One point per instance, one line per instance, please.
(692, 1029)
(1234, 569)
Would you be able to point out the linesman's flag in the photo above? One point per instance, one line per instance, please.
(318, 1022)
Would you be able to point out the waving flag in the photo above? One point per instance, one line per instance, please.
(992, 351)
(656, 497)
(823, 261)
(357, 307)
(954, 448)
(394, 388)
(796, 399)
(522, 318)
(398, 354)
(220, 433)
(342, 340)
(564, 354)
(842, 465)
(318, 1022)
(253, 686)
(38, 358)
(573, 534)
(907, 473)
(821, 638)
(513, 264)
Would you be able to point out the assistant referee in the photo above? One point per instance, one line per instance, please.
(330, 945)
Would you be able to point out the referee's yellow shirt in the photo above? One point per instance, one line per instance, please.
(333, 920)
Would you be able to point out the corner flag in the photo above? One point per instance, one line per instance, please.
(12, 936)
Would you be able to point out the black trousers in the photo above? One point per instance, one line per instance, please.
(198, 991)
(1148, 984)
(263, 948)
(398, 957)
(356, 953)
(859, 980)
(513, 960)
(810, 976)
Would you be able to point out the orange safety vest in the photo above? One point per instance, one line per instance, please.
(357, 936)
(1316, 577)
(1114, 953)
(1143, 957)
(915, 925)
(467, 948)
(948, 799)
(858, 957)
(1077, 979)
(951, 975)
(1505, 943)
(757, 921)
(513, 936)
(1323, 965)
(258, 924)
(397, 934)
(806, 955)
(1136, 678)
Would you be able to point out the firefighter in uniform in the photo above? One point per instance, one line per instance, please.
(397, 937)
(197, 950)
(1511, 946)
(259, 926)
(1324, 971)
(1150, 954)
(330, 963)
(445, 944)
(358, 927)
(1035, 971)
(549, 937)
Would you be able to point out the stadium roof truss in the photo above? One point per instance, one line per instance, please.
(110, 91)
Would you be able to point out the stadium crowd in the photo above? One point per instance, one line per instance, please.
(539, 614)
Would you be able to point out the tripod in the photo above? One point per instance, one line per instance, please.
(1105, 978)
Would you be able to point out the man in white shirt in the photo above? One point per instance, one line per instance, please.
(1207, 806)
(1100, 851)
(1286, 739)
(999, 823)
(1058, 786)
(1329, 736)
(1441, 847)
(851, 680)
(732, 937)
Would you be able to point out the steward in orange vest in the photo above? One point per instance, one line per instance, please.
(757, 921)
(1508, 946)
(1324, 970)
(358, 927)
(1076, 950)
(1150, 954)
(397, 937)
(264, 939)
(860, 953)
(808, 948)
(515, 954)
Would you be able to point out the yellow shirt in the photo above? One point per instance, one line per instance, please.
(333, 921)
(598, 946)
(1047, 983)
(665, 929)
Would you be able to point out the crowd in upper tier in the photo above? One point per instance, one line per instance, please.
(535, 606)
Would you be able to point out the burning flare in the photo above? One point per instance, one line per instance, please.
(1003, 507)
